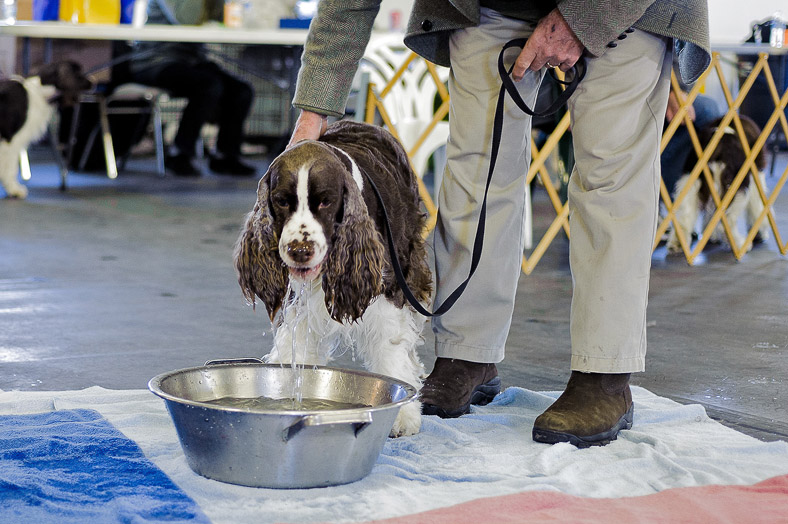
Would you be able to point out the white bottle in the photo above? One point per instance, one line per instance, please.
(8, 11)
(777, 33)
(139, 14)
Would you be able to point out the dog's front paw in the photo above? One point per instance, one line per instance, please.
(673, 246)
(273, 358)
(17, 191)
(739, 241)
(408, 420)
(762, 236)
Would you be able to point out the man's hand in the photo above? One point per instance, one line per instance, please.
(309, 126)
(552, 43)
(674, 106)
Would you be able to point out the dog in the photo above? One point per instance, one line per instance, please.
(724, 163)
(25, 110)
(317, 233)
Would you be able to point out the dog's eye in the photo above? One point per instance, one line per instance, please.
(324, 203)
(281, 201)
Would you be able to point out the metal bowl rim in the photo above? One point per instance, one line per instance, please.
(154, 385)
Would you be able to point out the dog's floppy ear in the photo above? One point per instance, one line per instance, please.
(49, 73)
(257, 263)
(353, 274)
(67, 78)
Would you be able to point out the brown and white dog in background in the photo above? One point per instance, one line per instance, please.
(724, 163)
(25, 110)
(317, 231)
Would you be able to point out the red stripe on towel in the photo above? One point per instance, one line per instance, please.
(766, 501)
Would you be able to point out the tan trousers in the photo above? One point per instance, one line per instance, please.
(617, 116)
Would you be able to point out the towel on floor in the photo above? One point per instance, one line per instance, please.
(73, 466)
(484, 454)
(757, 504)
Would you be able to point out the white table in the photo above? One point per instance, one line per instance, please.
(291, 40)
(209, 33)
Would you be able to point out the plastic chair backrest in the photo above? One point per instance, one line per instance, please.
(412, 97)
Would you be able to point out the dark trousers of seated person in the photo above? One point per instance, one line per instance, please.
(213, 96)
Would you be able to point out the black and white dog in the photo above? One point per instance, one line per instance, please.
(724, 163)
(25, 110)
(317, 233)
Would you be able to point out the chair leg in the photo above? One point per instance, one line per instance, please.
(72, 133)
(124, 158)
(24, 159)
(24, 165)
(106, 137)
(158, 134)
(89, 143)
(56, 150)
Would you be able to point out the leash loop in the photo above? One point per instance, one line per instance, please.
(507, 86)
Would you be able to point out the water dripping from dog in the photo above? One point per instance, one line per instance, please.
(298, 318)
(296, 311)
(301, 310)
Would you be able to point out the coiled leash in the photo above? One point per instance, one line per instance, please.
(507, 86)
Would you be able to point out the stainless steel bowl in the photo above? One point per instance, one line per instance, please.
(280, 449)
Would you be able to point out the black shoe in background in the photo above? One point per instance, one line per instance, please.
(181, 165)
(230, 166)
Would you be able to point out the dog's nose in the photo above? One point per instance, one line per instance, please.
(301, 251)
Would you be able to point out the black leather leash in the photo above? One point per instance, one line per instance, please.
(507, 86)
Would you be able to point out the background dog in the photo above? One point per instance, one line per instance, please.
(25, 110)
(316, 235)
(724, 163)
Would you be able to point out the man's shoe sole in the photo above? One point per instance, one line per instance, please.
(481, 395)
(600, 439)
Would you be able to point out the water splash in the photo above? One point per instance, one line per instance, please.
(306, 328)
(301, 309)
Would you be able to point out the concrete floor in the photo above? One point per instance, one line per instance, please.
(113, 282)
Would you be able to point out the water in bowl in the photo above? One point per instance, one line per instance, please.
(284, 404)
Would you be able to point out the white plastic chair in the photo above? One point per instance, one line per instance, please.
(410, 103)
(150, 98)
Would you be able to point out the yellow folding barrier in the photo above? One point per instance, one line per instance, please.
(721, 202)
(374, 101)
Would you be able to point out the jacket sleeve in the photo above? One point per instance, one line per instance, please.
(337, 39)
(597, 23)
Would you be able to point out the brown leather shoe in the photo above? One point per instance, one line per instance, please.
(590, 412)
(455, 384)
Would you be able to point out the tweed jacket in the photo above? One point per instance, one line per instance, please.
(341, 30)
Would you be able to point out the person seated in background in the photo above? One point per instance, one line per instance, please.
(185, 70)
(703, 110)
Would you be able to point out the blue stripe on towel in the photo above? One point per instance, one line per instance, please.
(74, 466)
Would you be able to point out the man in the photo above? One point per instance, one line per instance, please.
(184, 70)
(617, 117)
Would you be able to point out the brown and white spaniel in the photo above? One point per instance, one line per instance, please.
(724, 163)
(316, 238)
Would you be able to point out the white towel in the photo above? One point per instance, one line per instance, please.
(486, 453)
